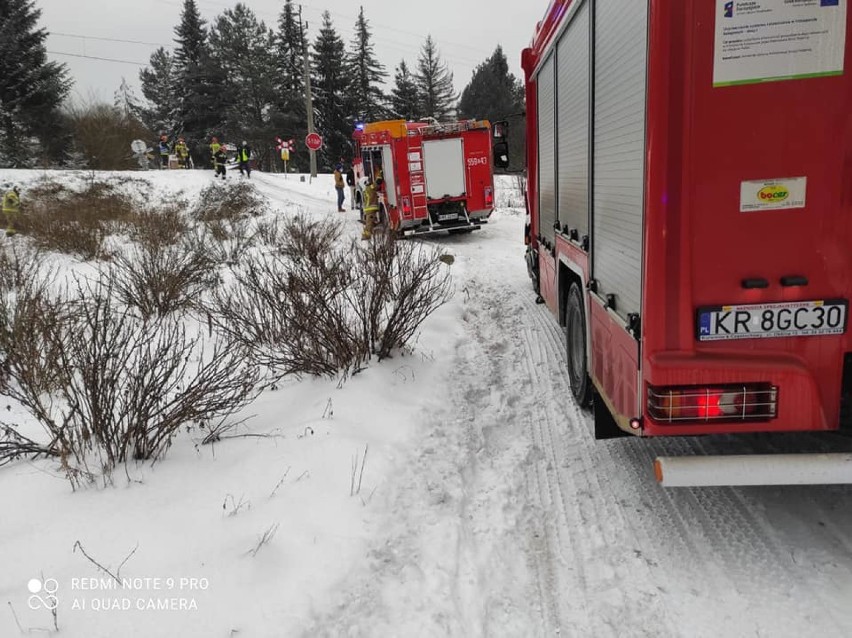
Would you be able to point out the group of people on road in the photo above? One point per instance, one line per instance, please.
(180, 150)
(369, 197)
(219, 155)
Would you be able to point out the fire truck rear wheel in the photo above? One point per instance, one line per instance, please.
(575, 333)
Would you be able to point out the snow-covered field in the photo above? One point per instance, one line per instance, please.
(483, 506)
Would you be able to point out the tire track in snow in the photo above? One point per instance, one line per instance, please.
(551, 533)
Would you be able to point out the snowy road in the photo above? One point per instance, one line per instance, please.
(512, 521)
(488, 510)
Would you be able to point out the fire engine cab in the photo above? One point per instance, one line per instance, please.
(437, 176)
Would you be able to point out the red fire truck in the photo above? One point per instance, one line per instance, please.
(437, 176)
(690, 202)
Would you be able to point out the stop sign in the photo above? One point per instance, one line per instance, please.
(313, 141)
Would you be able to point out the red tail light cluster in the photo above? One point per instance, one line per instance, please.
(406, 207)
(489, 196)
(741, 402)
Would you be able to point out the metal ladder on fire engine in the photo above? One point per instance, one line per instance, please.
(419, 209)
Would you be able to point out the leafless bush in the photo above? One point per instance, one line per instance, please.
(316, 307)
(287, 325)
(232, 201)
(405, 282)
(158, 227)
(19, 264)
(75, 222)
(158, 280)
(123, 386)
(288, 307)
(104, 134)
(228, 240)
(270, 231)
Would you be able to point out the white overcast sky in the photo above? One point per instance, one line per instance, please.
(466, 31)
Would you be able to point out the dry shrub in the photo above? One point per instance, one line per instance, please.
(270, 231)
(158, 227)
(234, 201)
(396, 286)
(160, 279)
(19, 264)
(75, 222)
(288, 308)
(228, 240)
(316, 307)
(103, 134)
(122, 387)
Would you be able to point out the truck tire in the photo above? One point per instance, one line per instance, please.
(575, 338)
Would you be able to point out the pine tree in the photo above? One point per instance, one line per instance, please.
(243, 48)
(197, 83)
(405, 101)
(492, 92)
(31, 88)
(495, 94)
(329, 85)
(191, 37)
(289, 119)
(158, 88)
(126, 102)
(367, 75)
(434, 83)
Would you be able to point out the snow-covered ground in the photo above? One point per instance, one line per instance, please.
(485, 508)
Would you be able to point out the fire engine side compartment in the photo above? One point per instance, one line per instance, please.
(588, 168)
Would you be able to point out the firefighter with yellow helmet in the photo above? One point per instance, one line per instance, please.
(11, 209)
(371, 207)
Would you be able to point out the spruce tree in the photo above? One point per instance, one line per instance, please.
(191, 37)
(243, 48)
(31, 88)
(158, 83)
(331, 103)
(405, 101)
(126, 102)
(289, 118)
(366, 75)
(495, 94)
(197, 81)
(434, 83)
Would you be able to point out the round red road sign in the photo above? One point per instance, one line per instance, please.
(313, 141)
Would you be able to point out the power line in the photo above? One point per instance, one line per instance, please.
(93, 57)
(92, 37)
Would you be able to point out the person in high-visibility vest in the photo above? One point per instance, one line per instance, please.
(214, 148)
(243, 157)
(11, 209)
(371, 207)
(164, 150)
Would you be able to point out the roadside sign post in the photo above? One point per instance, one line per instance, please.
(314, 143)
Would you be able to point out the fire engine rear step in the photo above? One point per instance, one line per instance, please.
(420, 231)
(757, 469)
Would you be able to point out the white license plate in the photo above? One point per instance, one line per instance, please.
(787, 319)
(447, 217)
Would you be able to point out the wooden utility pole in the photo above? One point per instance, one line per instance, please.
(309, 100)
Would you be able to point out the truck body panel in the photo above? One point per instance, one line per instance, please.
(707, 222)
